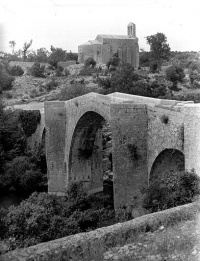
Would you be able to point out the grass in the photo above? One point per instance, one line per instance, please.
(178, 242)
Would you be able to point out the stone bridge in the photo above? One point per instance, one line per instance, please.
(148, 137)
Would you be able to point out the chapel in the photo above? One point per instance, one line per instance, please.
(106, 46)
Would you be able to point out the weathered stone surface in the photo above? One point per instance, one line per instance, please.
(93, 135)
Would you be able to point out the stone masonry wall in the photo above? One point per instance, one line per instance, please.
(129, 136)
(165, 131)
(55, 121)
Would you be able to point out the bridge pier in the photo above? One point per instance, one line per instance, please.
(192, 137)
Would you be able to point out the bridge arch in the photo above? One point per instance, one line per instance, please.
(168, 160)
(86, 151)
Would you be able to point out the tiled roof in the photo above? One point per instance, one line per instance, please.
(111, 36)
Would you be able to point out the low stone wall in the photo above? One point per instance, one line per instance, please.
(92, 245)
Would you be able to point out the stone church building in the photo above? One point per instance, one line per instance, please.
(105, 46)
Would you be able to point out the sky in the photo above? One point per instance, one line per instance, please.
(68, 23)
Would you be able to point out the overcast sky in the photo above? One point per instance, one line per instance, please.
(69, 23)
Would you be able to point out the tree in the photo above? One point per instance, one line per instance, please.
(159, 49)
(25, 49)
(175, 74)
(42, 55)
(12, 45)
(57, 55)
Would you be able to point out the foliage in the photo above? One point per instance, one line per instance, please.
(113, 62)
(12, 45)
(194, 76)
(51, 85)
(16, 70)
(188, 97)
(21, 171)
(42, 55)
(144, 59)
(66, 72)
(37, 70)
(25, 49)
(184, 59)
(57, 55)
(159, 48)
(5, 79)
(176, 188)
(22, 176)
(126, 80)
(29, 121)
(175, 74)
(88, 71)
(195, 66)
(90, 62)
(73, 90)
(59, 71)
(44, 217)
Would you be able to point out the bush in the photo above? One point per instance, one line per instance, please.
(29, 121)
(194, 76)
(51, 85)
(66, 72)
(195, 66)
(176, 188)
(175, 74)
(44, 217)
(90, 62)
(73, 91)
(37, 70)
(88, 71)
(22, 177)
(188, 97)
(59, 71)
(33, 93)
(5, 79)
(16, 70)
(113, 62)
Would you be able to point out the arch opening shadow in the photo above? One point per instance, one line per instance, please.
(169, 160)
(87, 157)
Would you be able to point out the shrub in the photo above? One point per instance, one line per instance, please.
(16, 70)
(113, 62)
(90, 62)
(44, 217)
(66, 72)
(5, 79)
(33, 93)
(175, 74)
(51, 85)
(88, 71)
(37, 70)
(22, 177)
(8, 95)
(176, 188)
(195, 66)
(29, 121)
(73, 91)
(188, 97)
(194, 76)
(59, 71)
(154, 67)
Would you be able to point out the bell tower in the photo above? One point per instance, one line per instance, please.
(131, 30)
